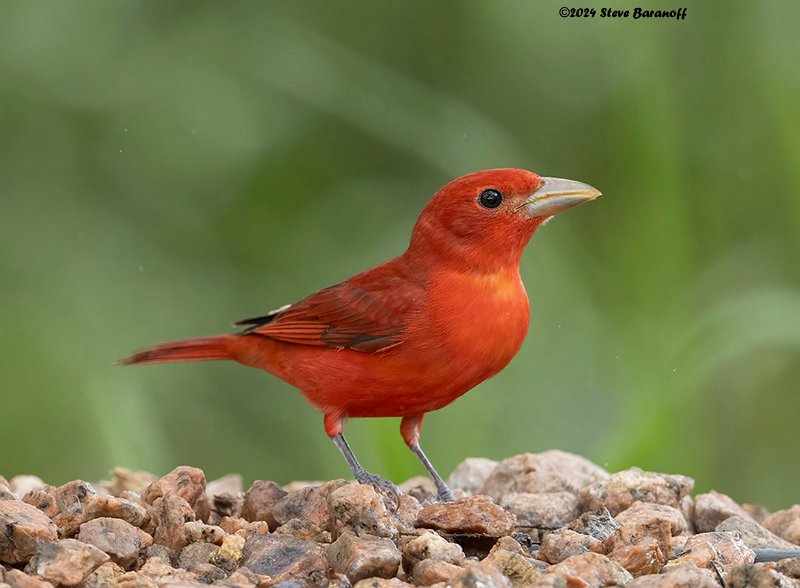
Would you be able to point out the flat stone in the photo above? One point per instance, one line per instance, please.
(473, 515)
(260, 500)
(754, 535)
(619, 491)
(471, 474)
(712, 508)
(358, 508)
(364, 557)
(594, 569)
(282, 556)
(785, 524)
(67, 562)
(550, 471)
(563, 543)
(23, 526)
(119, 539)
(543, 510)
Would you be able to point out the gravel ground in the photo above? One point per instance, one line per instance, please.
(545, 520)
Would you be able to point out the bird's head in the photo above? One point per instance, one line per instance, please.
(484, 220)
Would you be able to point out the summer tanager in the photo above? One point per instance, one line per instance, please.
(412, 334)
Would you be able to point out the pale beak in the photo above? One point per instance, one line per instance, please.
(556, 195)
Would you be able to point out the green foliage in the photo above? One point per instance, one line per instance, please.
(167, 168)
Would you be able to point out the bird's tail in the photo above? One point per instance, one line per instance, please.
(199, 349)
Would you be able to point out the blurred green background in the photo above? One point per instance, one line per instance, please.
(169, 167)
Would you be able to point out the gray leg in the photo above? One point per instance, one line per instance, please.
(409, 429)
(443, 492)
(361, 475)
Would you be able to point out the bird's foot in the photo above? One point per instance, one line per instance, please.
(444, 495)
(390, 492)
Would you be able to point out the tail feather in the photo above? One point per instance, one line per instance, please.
(199, 349)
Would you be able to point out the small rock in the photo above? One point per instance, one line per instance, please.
(230, 552)
(406, 514)
(593, 569)
(471, 474)
(481, 575)
(119, 539)
(184, 481)
(520, 570)
(260, 501)
(308, 504)
(199, 531)
(22, 527)
(157, 571)
(754, 535)
(282, 556)
(432, 546)
(125, 480)
(757, 576)
(103, 507)
(550, 471)
(431, 571)
(785, 524)
(420, 487)
(725, 550)
(598, 524)
(644, 512)
(43, 498)
(473, 515)
(232, 524)
(359, 508)
(302, 530)
(106, 575)
(622, 489)
(678, 576)
(168, 517)
(712, 508)
(227, 484)
(640, 560)
(195, 554)
(789, 567)
(563, 543)
(66, 562)
(21, 485)
(18, 579)
(364, 557)
(543, 510)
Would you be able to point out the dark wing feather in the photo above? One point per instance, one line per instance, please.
(366, 315)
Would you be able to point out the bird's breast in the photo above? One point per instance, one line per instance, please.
(477, 321)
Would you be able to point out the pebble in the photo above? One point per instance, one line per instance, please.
(118, 538)
(620, 490)
(472, 515)
(364, 557)
(23, 526)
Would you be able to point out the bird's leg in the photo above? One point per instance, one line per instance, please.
(409, 428)
(334, 426)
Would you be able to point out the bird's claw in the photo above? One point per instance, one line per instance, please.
(444, 495)
(390, 492)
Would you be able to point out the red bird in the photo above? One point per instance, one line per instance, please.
(412, 334)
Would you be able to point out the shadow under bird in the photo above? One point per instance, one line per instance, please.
(411, 335)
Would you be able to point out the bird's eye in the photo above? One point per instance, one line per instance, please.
(490, 198)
